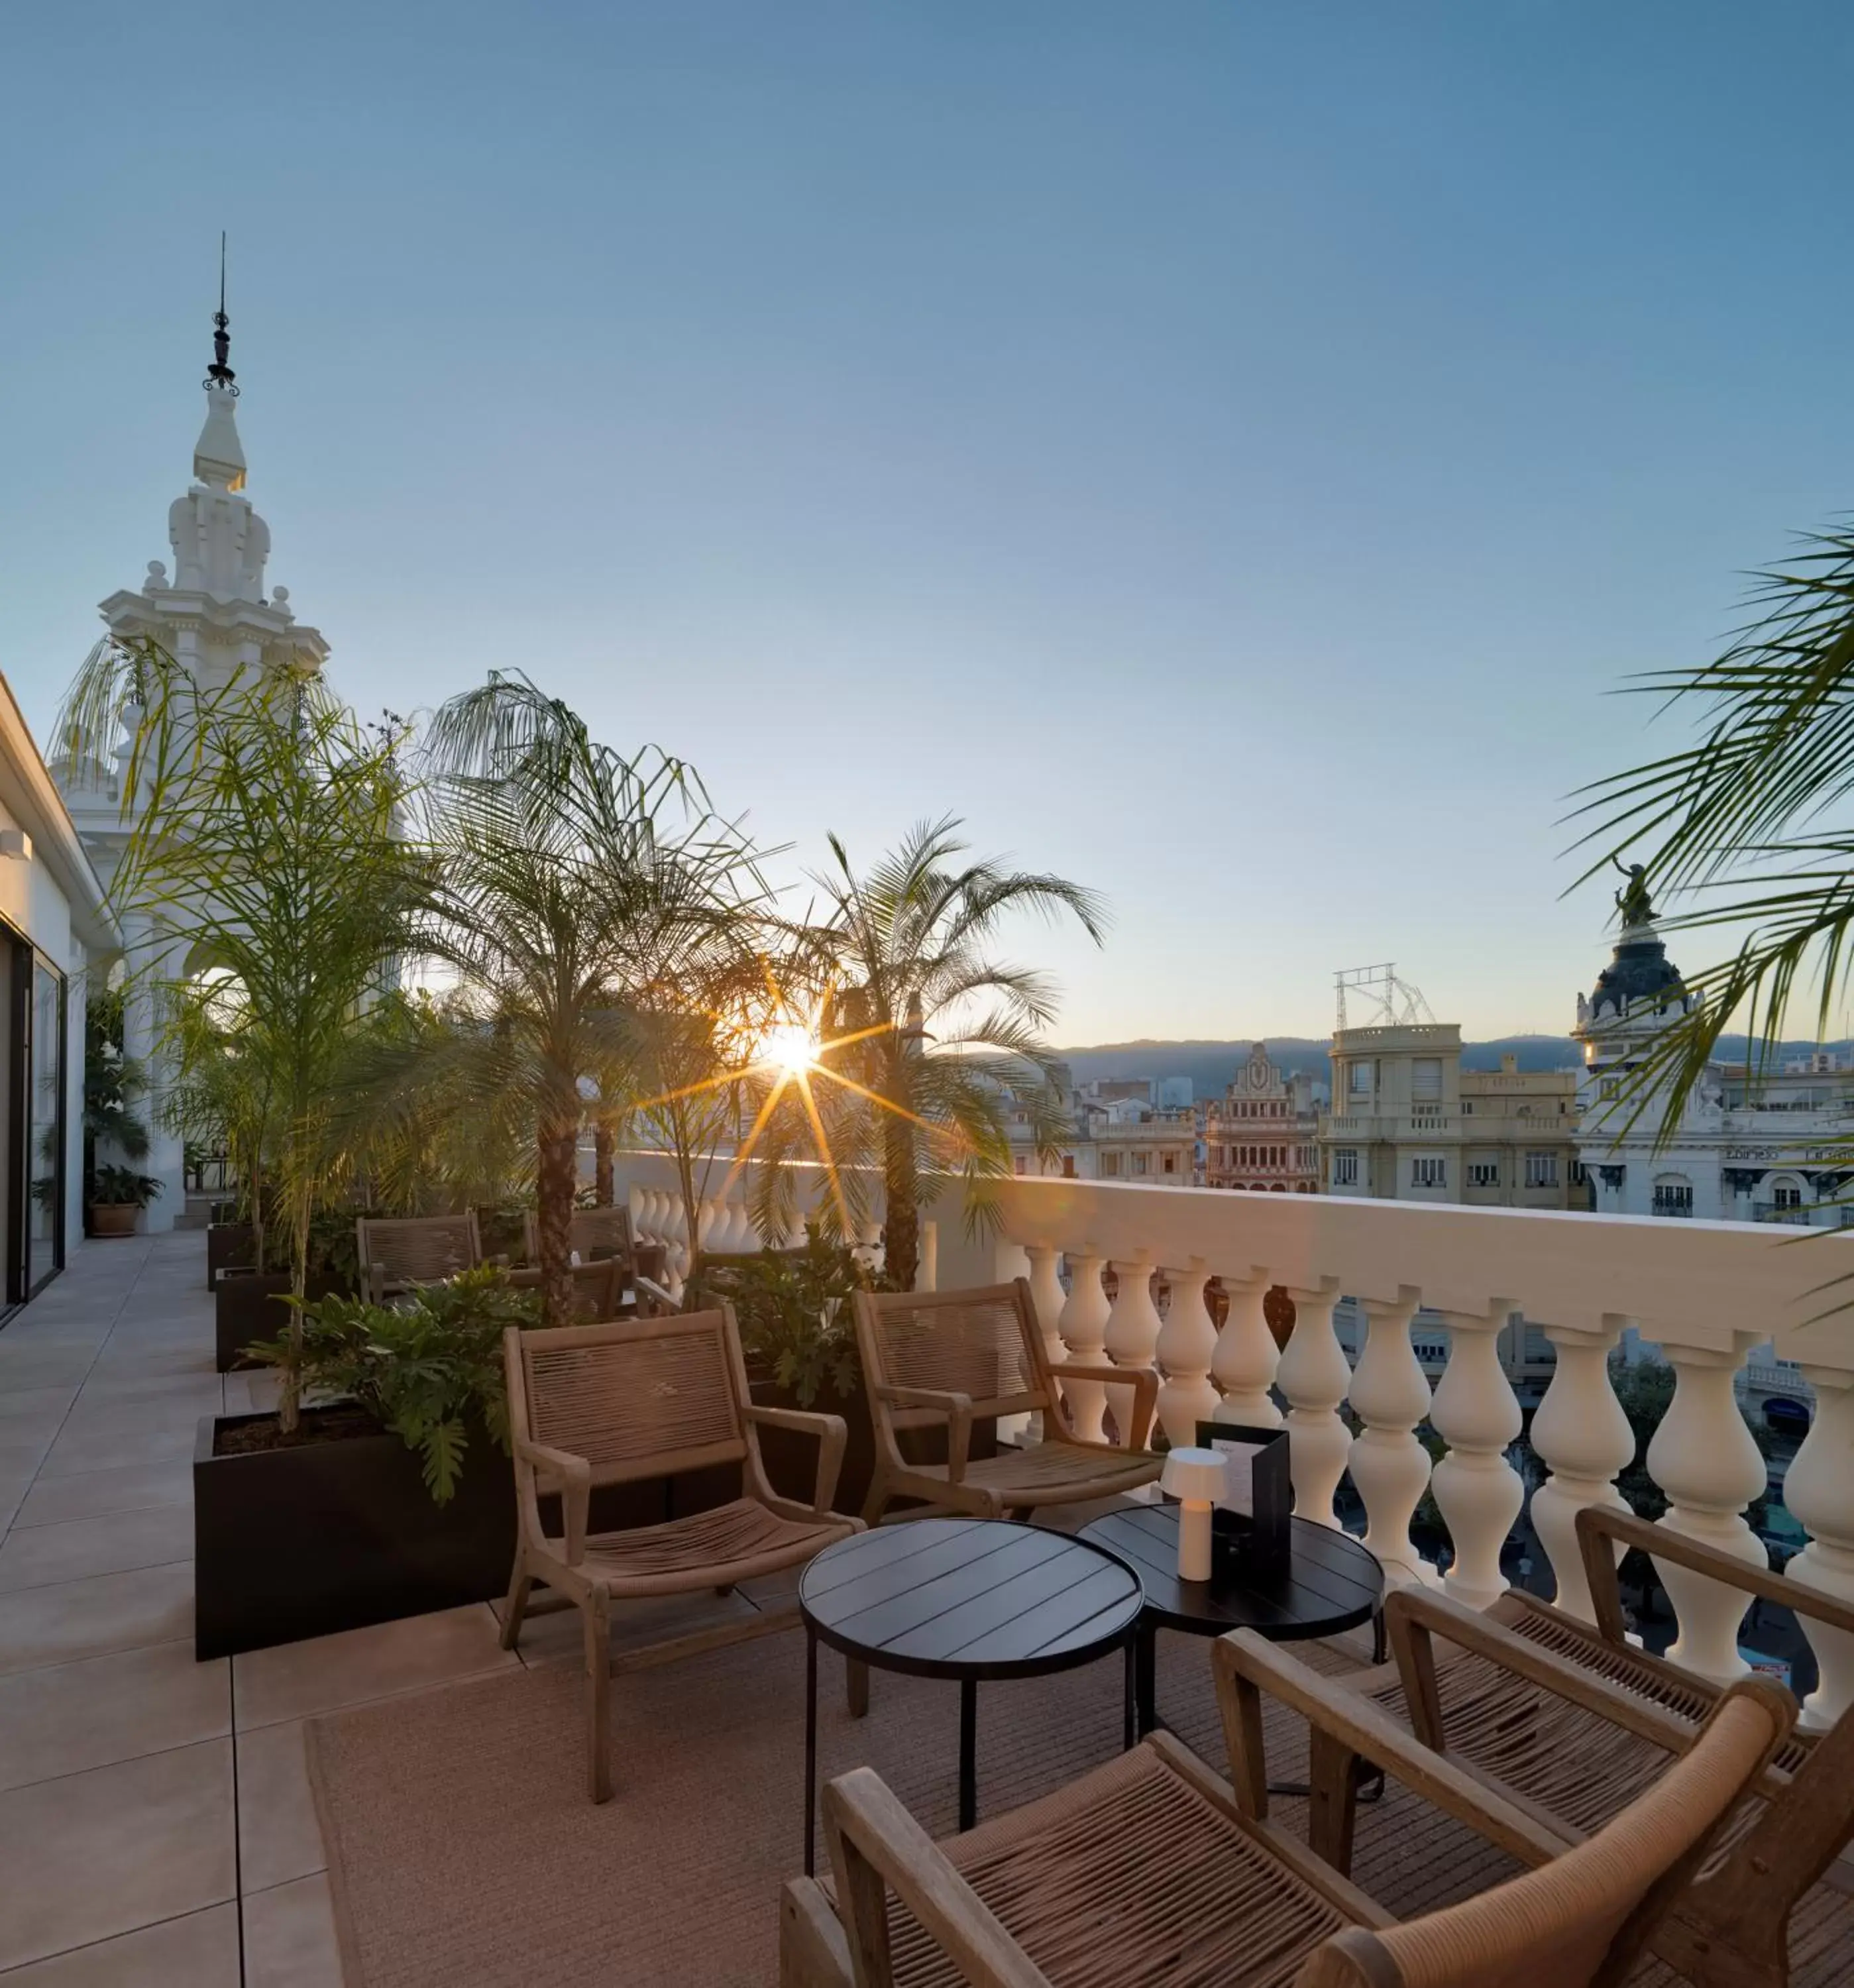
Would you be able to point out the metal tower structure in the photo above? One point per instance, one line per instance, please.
(1394, 1003)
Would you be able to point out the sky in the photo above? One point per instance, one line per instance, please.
(1230, 454)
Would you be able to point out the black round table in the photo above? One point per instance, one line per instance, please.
(1329, 1584)
(969, 1599)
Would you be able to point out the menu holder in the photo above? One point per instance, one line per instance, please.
(1249, 1523)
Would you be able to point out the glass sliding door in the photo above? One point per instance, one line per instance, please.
(45, 1137)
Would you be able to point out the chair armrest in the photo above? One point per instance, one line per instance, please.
(1142, 1380)
(876, 1846)
(576, 1476)
(1245, 1666)
(1598, 1524)
(956, 1408)
(832, 1433)
(653, 1301)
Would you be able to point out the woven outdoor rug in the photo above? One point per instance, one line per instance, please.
(462, 1849)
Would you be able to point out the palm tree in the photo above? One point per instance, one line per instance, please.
(930, 1040)
(567, 874)
(1743, 821)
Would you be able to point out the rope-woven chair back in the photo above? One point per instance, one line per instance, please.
(972, 1343)
(418, 1249)
(600, 1229)
(1558, 1924)
(635, 1398)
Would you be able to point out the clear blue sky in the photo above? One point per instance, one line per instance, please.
(1227, 452)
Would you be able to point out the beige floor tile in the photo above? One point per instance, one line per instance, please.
(289, 1937)
(75, 1453)
(154, 1362)
(66, 1719)
(42, 1366)
(295, 1679)
(107, 1387)
(37, 1556)
(279, 1838)
(200, 1951)
(92, 1494)
(95, 1855)
(25, 1449)
(112, 1416)
(24, 1408)
(89, 1619)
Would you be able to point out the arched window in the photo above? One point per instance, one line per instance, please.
(1672, 1194)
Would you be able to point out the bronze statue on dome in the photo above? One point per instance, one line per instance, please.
(1632, 901)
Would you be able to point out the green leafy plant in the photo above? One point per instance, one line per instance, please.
(795, 1312)
(429, 1370)
(120, 1187)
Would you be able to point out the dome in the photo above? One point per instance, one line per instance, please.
(1640, 971)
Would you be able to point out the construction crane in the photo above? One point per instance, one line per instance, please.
(1394, 1003)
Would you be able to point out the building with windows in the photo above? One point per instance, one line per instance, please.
(1121, 1139)
(1750, 1145)
(1263, 1134)
(1409, 1123)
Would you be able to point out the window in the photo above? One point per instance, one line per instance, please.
(1346, 1167)
(1425, 1080)
(1068, 1166)
(1110, 1165)
(1139, 1163)
(1429, 1170)
(1020, 1163)
(1483, 1173)
(1360, 1078)
(1168, 1163)
(1216, 1156)
(1787, 1197)
(1541, 1170)
(1672, 1195)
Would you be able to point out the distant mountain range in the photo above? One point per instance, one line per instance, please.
(1210, 1065)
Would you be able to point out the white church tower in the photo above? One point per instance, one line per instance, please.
(214, 617)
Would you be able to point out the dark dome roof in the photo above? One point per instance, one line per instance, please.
(1640, 971)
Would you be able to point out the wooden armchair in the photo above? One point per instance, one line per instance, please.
(944, 1358)
(398, 1252)
(600, 1290)
(1151, 1870)
(591, 1405)
(1776, 1908)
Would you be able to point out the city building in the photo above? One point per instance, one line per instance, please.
(1123, 1138)
(215, 613)
(1751, 1145)
(1263, 1134)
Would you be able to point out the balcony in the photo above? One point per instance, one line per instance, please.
(1709, 1295)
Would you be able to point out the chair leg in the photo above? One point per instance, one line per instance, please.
(515, 1609)
(597, 1611)
(877, 1502)
(1333, 1785)
(855, 1680)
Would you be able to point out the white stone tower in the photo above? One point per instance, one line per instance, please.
(213, 618)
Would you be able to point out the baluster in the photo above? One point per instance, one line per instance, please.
(1186, 1347)
(1478, 1492)
(1818, 1492)
(1389, 1466)
(1132, 1325)
(1709, 1464)
(1581, 1432)
(1314, 1375)
(1046, 1300)
(1247, 1357)
(1083, 1325)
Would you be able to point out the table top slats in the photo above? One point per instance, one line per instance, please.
(969, 1597)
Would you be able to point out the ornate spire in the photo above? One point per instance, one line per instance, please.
(219, 377)
(218, 456)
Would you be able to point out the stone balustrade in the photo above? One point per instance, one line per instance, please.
(1707, 1294)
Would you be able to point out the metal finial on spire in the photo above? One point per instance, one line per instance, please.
(218, 374)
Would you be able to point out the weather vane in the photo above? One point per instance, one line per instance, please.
(218, 374)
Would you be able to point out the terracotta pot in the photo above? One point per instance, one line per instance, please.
(113, 1218)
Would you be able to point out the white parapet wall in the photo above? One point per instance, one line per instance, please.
(1710, 1295)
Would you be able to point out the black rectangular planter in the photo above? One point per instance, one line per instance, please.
(303, 1542)
(230, 1245)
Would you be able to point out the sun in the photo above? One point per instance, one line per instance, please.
(791, 1048)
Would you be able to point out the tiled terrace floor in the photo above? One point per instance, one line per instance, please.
(155, 1821)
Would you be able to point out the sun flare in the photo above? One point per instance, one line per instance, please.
(790, 1047)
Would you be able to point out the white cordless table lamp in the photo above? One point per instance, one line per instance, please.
(1194, 1477)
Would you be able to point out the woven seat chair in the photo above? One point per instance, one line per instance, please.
(605, 1230)
(397, 1252)
(600, 1289)
(1776, 1907)
(590, 1405)
(941, 1359)
(1151, 1870)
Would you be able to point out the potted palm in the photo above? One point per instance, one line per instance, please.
(114, 1196)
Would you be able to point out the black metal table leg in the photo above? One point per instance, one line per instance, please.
(968, 1752)
(1380, 1649)
(1131, 1738)
(810, 1745)
(1145, 1639)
